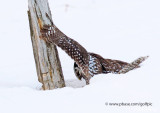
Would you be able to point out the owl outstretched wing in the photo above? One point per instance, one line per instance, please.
(86, 64)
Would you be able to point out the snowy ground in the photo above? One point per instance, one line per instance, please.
(117, 29)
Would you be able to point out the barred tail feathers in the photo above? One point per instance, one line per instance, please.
(112, 66)
(133, 65)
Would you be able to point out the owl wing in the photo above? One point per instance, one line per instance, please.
(76, 51)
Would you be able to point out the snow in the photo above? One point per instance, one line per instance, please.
(123, 30)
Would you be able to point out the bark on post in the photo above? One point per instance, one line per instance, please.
(46, 56)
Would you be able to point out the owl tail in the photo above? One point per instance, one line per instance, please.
(132, 65)
(119, 67)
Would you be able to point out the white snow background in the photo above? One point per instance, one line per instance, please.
(117, 29)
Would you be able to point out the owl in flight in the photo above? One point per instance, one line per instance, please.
(86, 64)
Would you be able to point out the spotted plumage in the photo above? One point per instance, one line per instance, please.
(86, 64)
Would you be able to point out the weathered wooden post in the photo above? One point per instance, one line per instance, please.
(46, 56)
